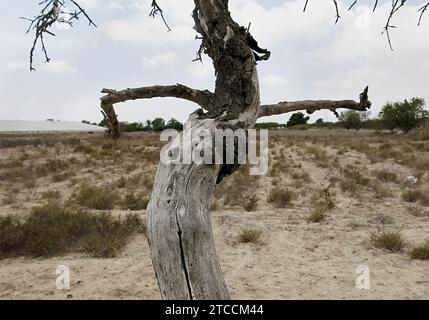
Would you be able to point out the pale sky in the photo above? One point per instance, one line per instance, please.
(312, 58)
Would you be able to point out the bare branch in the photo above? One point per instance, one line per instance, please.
(202, 98)
(51, 13)
(337, 16)
(352, 5)
(311, 106)
(337, 11)
(396, 6)
(422, 10)
(156, 9)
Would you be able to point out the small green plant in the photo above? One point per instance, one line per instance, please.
(421, 251)
(280, 198)
(249, 235)
(388, 240)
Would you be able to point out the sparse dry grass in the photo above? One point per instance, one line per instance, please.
(317, 215)
(251, 203)
(421, 251)
(353, 179)
(386, 175)
(135, 201)
(414, 195)
(417, 212)
(97, 174)
(280, 197)
(237, 189)
(391, 241)
(54, 229)
(94, 197)
(250, 235)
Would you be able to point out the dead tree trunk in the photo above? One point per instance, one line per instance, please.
(178, 215)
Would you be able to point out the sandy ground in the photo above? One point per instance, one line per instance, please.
(297, 259)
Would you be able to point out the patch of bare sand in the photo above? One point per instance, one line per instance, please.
(296, 261)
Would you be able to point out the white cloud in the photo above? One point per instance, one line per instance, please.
(201, 70)
(163, 59)
(284, 23)
(273, 80)
(115, 5)
(17, 65)
(144, 31)
(138, 28)
(89, 4)
(58, 66)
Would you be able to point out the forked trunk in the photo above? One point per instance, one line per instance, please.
(178, 216)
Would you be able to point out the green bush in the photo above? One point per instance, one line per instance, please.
(296, 119)
(158, 124)
(174, 124)
(353, 119)
(404, 115)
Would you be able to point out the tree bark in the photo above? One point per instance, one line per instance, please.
(178, 216)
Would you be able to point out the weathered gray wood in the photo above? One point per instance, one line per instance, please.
(179, 228)
(311, 106)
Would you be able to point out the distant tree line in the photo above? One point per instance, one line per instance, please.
(404, 115)
(158, 124)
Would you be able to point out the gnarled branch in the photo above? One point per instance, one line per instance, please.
(200, 97)
(310, 106)
(203, 98)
